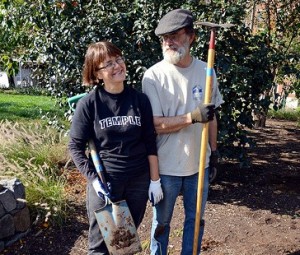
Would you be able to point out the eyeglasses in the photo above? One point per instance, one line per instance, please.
(111, 64)
(174, 37)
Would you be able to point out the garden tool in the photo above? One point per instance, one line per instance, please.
(114, 218)
(204, 139)
(72, 101)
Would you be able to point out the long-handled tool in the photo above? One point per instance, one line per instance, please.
(204, 138)
(114, 218)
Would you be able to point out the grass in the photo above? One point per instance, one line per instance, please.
(35, 152)
(286, 114)
(26, 107)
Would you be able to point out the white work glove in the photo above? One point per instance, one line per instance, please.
(155, 192)
(203, 113)
(101, 191)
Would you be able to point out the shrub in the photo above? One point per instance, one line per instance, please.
(247, 65)
(285, 114)
(35, 154)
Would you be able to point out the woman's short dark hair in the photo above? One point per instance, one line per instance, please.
(95, 55)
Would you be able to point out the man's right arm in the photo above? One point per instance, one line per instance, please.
(165, 125)
(172, 124)
(201, 114)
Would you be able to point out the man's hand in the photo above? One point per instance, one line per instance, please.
(101, 190)
(155, 192)
(214, 158)
(203, 113)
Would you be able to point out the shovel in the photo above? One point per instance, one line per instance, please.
(118, 229)
(114, 219)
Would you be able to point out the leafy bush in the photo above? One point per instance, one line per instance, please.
(63, 30)
(246, 64)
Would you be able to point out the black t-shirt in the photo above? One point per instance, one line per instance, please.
(122, 128)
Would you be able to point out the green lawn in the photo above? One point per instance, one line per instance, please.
(26, 107)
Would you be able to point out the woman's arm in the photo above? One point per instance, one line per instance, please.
(77, 148)
(153, 163)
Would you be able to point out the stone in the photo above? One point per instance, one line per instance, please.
(7, 226)
(15, 238)
(7, 199)
(21, 203)
(19, 190)
(2, 211)
(16, 186)
(22, 220)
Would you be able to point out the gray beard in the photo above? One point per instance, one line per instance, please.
(173, 57)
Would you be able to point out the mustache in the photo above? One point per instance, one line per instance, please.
(170, 48)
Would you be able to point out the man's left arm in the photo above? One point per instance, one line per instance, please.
(214, 156)
(213, 133)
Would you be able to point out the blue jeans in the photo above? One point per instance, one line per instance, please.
(162, 213)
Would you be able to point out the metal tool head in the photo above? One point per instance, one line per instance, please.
(118, 230)
(212, 25)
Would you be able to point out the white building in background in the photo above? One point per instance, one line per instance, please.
(23, 79)
(4, 82)
(291, 101)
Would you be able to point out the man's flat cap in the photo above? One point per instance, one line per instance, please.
(173, 21)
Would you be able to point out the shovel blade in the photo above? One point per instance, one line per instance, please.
(118, 230)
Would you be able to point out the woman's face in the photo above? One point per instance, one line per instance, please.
(112, 70)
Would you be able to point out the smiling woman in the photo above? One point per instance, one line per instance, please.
(118, 120)
(26, 107)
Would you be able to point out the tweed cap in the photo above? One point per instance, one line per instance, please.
(173, 21)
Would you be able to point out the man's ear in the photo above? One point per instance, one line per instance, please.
(192, 38)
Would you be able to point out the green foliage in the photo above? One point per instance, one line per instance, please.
(287, 114)
(243, 71)
(14, 35)
(280, 25)
(247, 66)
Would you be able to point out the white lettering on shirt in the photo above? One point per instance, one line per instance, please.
(120, 121)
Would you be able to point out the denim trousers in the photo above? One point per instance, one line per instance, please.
(133, 189)
(162, 213)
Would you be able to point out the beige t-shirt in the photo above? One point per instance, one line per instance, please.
(170, 90)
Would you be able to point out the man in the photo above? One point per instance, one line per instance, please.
(176, 89)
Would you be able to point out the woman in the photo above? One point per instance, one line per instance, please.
(119, 120)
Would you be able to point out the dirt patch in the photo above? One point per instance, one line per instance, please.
(250, 211)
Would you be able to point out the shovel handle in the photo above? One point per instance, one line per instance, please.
(97, 163)
(74, 99)
(95, 157)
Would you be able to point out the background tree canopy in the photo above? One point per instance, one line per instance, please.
(54, 35)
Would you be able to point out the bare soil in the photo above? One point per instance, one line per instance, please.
(251, 211)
